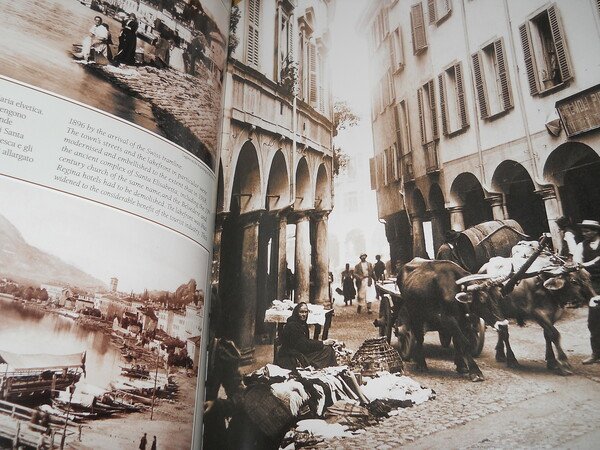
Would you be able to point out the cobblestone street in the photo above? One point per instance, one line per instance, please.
(528, 407)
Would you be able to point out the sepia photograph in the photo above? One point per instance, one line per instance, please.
(407, 234)
(157, 64)
(100, 322)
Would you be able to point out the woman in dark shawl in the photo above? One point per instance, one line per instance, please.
(128, 41)
(297, 350)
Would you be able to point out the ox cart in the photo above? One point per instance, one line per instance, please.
(393, 318)
(473, 248)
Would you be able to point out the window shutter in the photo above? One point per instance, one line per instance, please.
(395, 155)
(480, 86)
(529, 61)
(390, 81)
(253, 32)
(431, 7)
(460, 88)
(443, 104)
(290, 33)
(312, 73)
(503, 75)
(373, 174)
(393, 57)
(398, 127)
(559, 44)
(434, 125)
(386, 22)
(421, 115)
(418, 28)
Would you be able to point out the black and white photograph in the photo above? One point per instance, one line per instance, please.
(100, 324)
(157, 64)
(407, 227)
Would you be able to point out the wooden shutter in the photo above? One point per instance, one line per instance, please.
(421, 115)
(443, 105)
(484, 110)
(390, 80)
(559, 44)
(253, 33)
(398, 127)
(434, 126)
(431, 7)
(503, 75)
(290, 37)
(312, 74)
(529, 59)
(460, 93)
(418, 28)
(373, 174)
(393, 57)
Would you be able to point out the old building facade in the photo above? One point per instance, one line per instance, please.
(276, 162)
(483, 110)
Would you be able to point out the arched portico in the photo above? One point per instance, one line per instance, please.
(468, 202)
(440, 219)
(417, 215)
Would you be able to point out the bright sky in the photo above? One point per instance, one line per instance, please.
(102, 241)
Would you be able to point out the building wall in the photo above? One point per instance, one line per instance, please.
(518, 134)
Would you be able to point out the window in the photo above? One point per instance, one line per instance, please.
(285, 41)
(492, 82)
(545, 51)
(312, 74)
(427, 113)
(373, 173)
(452, 100)
(417, 24)
(439, 10)
(402, 128)
(380, 28)
(252, 46)
(396, 52)
(389, 165)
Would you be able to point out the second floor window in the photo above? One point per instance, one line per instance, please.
(427, 112)
(438, 10)
(545, 51)
(492, 81)
(252, 44)
(452, 100)
(417, 23)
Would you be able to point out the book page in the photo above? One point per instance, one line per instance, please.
(109, 119)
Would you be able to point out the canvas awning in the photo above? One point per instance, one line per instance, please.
(18, 361)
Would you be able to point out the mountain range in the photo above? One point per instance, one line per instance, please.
(24, 263)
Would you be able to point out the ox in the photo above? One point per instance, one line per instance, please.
(430, 292)
(542, 298)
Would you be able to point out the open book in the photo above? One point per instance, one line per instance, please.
(173, 273)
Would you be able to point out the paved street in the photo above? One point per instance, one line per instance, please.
(528, 407)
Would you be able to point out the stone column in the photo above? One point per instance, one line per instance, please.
(282, 258)
(216, 263)
(418, 236)
(457, 220)
(321, 260)
(248, 286)
(437, 229)
(553, 212)
(497, 205)
(302, 257)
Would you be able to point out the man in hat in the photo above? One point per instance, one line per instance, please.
(363, 274)
(587, 253)
(379, 271)
(447, 250)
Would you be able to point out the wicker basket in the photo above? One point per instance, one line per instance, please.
(375, 355)
(266, 411)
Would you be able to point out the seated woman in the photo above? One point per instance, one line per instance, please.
(297, 350)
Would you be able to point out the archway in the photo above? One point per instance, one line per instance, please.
(323, 190)
(575, 168)
(466, 191)
(303, 249)
(522, 203)
(440, 219)
(237, 281)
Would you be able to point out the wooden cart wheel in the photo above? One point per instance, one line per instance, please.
(385, 318)
(445, 339)
(477, 337)
(406, 341)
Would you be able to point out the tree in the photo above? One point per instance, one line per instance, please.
(343, 118)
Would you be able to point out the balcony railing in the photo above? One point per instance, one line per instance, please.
(431, 157)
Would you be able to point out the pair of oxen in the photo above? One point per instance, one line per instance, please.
(444, 293)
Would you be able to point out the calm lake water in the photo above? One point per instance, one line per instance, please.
(36, 37)
(26, 330)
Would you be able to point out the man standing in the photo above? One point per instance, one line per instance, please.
(587, 253)
(379, 270)
(143, 442)
(363, 273)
